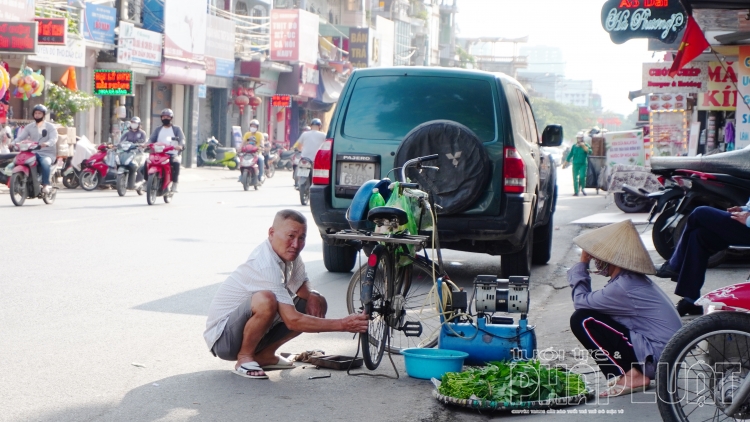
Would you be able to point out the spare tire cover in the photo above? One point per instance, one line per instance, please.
(465, 169)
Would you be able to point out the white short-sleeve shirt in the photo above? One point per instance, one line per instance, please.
(264, 270)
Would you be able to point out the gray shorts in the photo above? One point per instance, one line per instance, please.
(230, 342)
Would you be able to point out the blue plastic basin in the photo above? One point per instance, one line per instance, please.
(432, 363)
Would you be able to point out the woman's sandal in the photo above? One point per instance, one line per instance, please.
(621, 390)
(246, 369)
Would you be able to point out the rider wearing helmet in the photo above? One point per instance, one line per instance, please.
(48, 151)
(254, 137)
(134, 134)
(309, 142)
(164, 135)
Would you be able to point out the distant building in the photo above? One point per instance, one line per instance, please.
(555, 87)
(544, 59)
(574, 92)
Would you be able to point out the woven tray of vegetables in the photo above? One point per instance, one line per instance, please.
(511, 386)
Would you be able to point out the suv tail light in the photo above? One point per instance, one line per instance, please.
(514, 171)
(323, 164)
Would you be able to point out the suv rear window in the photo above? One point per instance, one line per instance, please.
(388, 107)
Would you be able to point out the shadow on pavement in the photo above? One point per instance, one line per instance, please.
(191, 302)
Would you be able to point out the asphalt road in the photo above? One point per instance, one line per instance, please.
(103, 302)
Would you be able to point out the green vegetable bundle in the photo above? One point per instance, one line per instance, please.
(512, 382)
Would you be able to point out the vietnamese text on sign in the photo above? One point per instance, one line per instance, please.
(113, 82)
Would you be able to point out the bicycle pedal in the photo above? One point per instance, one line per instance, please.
(412, 329)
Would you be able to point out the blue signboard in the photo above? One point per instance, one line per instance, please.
(99, 23)
(224, 68)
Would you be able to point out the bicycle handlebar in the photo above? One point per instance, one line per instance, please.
(418, 162)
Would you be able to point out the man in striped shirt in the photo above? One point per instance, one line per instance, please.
(268, 301)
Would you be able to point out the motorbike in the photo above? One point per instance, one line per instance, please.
(211, 153)
(130, 160)
(26, 179)
(71, 175)
(704, 371)
(159, 173)
(249, 167)
(271, 160)
(100, 170)
(691, 190)
(5, 161)
(286, 158)
(304, 179)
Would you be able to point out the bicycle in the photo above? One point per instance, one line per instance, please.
(398, 284)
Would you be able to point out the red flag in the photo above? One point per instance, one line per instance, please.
(692, 45)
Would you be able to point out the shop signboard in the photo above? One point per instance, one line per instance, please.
(692, 79)
(17, 10)
(309, 77)
(18, 37)
(202, 91)
(185, 23)
(668, 133)
(667, 102)
(52, 31)
(280, 100)
(72, 54)
(658, 19)
(625, 148)
(721, 92)
(742, 137)
(139, 46)
(294, 36)
(99, 23)
(220, 47)
(359, 47)
(113, 82)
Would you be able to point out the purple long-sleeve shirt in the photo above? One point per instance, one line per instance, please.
(634, 301)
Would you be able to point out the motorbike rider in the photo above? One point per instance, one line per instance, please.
(48, 151)
(309, 142)
(164, 135)
(135, 135)
(253, 137)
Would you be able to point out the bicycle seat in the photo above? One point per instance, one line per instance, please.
(388, 213)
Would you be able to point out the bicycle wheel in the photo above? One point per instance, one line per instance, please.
(414, 283)
(701, 368)
(374, 340)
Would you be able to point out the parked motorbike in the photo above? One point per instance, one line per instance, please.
(211, 153)
(693, 189)
(71, 174)
(100, 170)
(130, 159)
(704, 371)
(5, 161)
(26, 178)
(159, 173)
(286, 157)
(249, 167)
(304, 179)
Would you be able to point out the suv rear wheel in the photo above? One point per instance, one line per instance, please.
(339, 259)
(519, 263)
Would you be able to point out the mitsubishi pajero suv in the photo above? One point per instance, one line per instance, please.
(496, 188)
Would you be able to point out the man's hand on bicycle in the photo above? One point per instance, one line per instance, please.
(356, 323)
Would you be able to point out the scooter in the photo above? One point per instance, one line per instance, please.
(704, 371)
(159, 173)
(693, 189)
(84, 150)
(211, 153)
(26, 179)
(130, 159)
(285, 158)
(304, 179)
(100, 169)
(271, 160)
(249, 167)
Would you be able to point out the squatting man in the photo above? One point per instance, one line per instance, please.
(267, 301)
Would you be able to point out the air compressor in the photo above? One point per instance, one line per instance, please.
(488, 337)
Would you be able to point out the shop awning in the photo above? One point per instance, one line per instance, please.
(711, 4)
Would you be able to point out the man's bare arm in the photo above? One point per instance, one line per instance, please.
(301, 323)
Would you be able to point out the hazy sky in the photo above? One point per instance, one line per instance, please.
(575, 27)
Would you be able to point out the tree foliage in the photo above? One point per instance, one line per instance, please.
(572, 118)
(63, 103)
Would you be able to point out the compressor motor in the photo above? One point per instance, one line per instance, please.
(499, 295)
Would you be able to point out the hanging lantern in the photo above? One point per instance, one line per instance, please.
(241, 101)
(255, 102)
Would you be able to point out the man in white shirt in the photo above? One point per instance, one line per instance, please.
(309, 142)
(268, 301)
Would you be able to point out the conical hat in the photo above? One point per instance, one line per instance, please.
(618, 244)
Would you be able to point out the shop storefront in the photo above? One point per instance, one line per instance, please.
(214, 97)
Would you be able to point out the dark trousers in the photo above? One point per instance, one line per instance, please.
(175, 171)
(708, 231)
(607, 341)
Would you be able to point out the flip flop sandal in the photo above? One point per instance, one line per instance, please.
(246, 368)
(283, 363)
(612, 381)
(618, 390)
